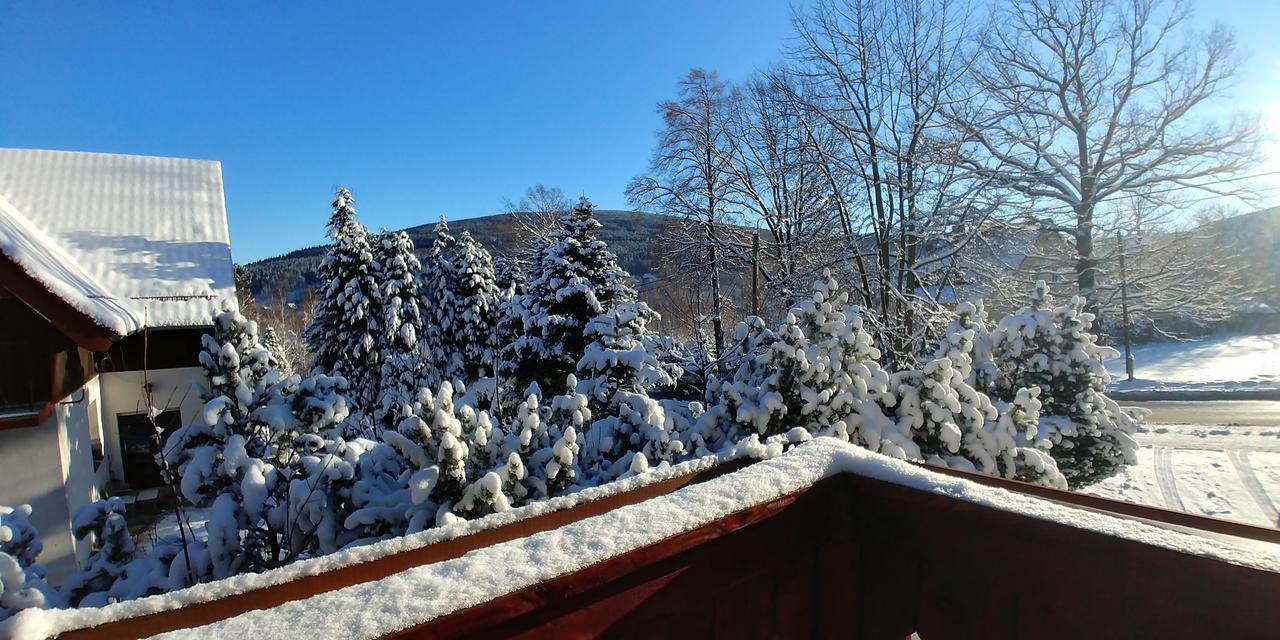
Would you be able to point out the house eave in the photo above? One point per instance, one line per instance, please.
(73, 323)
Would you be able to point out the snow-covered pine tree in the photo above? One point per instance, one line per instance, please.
(1032, 461)
(949, 418)
(616, 373)
(259, 449)
(343, 325)
(400, 360)
(1049, 346)
(442, 361)
(271, 342)
(22, 580)
(767, 395)
(852, 391)
(749, 403)
(507, 274)
(575, 279)
(968, 334)
(469, 312)
(818, 372)
(103, 525)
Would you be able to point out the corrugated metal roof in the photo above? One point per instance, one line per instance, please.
(146, 238)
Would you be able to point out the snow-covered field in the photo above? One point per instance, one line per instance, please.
(1228, 363)
(1224, 472)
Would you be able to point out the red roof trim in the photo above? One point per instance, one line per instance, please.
(73, 323)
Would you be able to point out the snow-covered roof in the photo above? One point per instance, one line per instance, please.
(127, 240)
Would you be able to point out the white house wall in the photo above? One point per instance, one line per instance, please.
(50, 467)
(122, 394)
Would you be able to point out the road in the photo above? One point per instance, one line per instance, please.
(1254, 413)
(1215, 458)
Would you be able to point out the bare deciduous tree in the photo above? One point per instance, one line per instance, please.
(778, 184)
(689, 177)
(534, 216)
(879, 74)
(1080, 101)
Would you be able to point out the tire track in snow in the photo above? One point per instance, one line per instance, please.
(1240, 460)
(1164, 476)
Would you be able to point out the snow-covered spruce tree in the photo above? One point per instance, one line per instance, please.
(507, 274)
(102, 524)
(1049, 346)
(401, 368)
(766, 397)
(967, 343)
(575, 279)
(957, 425)
(22, 580)
(343, 326)
(616, 373)
(261, 455)
(1033, 462)
(953, 424)
(271, 342)
(469, 309)
(818, 372)
(853, 390)
(442, 361)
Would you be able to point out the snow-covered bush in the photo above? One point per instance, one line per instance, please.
(1049, 346)
(102, 524)
(22, 580)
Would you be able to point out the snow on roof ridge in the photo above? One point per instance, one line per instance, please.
(111, 154)
(145, 228)
(40, 256)
(434, 590)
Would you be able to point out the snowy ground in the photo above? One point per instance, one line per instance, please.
(1225, 472)
(1220, 364)
(166, 525)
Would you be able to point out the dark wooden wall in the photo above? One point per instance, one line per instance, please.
(859, 558)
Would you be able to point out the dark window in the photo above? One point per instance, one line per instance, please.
(25, 374)
(139, 444)
(26, 366)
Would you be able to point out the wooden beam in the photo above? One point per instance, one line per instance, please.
(72, 322)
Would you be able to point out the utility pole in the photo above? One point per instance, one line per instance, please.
(755, 273)
(1124, 312)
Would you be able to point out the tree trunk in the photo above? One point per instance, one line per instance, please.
(1086, 263)
(717, 326)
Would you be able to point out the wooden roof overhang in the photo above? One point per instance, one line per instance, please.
(71, 322)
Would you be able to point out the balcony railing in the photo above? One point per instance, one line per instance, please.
(847, 556)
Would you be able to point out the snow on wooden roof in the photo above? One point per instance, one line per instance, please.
(127, 240)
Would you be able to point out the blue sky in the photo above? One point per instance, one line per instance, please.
(422, 108)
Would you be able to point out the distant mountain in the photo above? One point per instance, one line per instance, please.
(632, 235)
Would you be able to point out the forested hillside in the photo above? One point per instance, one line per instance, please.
(631, 235)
